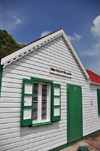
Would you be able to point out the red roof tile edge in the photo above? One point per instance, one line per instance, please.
(31, 42)
(93, 76)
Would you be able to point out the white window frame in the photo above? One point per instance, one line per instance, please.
(39, 112)
(52, 102)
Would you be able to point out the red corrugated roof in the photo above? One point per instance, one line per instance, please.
(93, 77)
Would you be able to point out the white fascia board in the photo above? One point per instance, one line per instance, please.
(33, 46)
(39, 43)
(75, 55)
(94, 83)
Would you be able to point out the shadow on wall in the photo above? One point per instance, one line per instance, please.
(24, 131)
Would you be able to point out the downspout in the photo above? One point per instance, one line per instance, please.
(1, 70)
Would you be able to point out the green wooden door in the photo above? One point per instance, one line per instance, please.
(74, 112)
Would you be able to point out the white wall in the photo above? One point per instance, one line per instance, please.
(91, 119)
(36, 64)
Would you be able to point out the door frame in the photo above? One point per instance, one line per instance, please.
(68, 106)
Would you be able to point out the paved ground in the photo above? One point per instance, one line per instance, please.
(92, 143)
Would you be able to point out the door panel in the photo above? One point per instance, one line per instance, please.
(74, 112)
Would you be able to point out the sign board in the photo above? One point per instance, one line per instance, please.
(60, 71)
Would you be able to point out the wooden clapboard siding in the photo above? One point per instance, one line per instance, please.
(90, 114)
(36, 64)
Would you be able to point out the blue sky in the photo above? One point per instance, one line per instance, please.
(27, 20)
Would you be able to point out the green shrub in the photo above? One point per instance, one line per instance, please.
(7, 43)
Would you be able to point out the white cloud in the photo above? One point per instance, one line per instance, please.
(10, 20)
(46, 32)
(97, 69)
(95, 29)
(17, 20)
(22, 43)
(75, 37)
(93, 58)
(93, 51)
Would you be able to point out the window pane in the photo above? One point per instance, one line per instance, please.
(35, 101)
(44, 110)
(35, 110)
(35, 94)
(44, 101)
(44, 92)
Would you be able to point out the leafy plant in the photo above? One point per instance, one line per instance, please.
(7, 43)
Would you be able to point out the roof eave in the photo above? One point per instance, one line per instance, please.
(75, 55)
(37, 44)
(94, 83)
(33, 46)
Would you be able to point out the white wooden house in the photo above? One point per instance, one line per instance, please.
(47, 98)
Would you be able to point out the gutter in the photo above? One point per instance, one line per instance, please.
(94, 83)
(1, 70)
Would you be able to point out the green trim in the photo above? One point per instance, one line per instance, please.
(82, 112)
(21, 117)
(69, 144)
(38, 124)
(56, 105)
(45, 81)
(28, 81)
(74, 85)
(27, 107)
(52, 92)
(41, 80)
(26, 122)
(56, 118)
(1, 70)
(27, 94)
(56, 95)
(52, 117)
(68, 109)
(98, 98)
(67, 92)
(57, 85)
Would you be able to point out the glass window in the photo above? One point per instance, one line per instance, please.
(37, 107)
(41, 102)
(44, 101)
(35, 101)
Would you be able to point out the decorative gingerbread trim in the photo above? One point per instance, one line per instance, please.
(39, 43)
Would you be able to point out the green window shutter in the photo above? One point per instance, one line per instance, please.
(27, 102)
(98, 97)
(56, 103)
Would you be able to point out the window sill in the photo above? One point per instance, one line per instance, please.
(38, 124)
